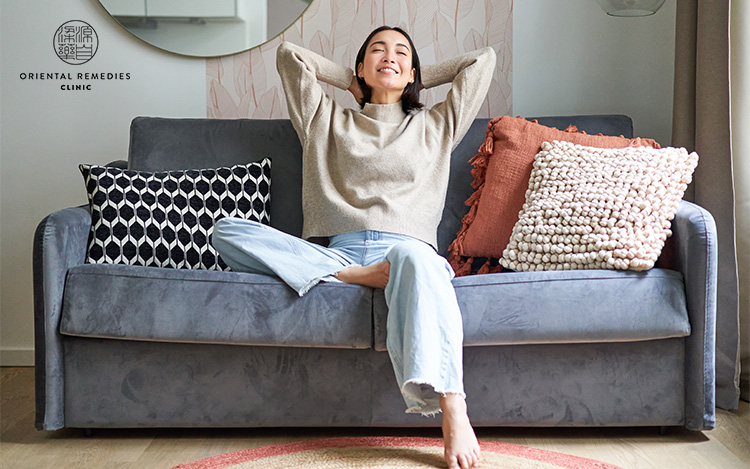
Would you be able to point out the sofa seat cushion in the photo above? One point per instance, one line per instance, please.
(170, 305)
(582, 306)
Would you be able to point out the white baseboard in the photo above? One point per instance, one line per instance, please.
(16, 357)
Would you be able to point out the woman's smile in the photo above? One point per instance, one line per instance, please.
(384, 69)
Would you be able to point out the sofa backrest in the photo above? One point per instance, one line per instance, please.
(159, 144)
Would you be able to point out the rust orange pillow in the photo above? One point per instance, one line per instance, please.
(502, 168)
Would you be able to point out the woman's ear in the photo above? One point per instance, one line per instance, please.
(413, 75)
(360, 70)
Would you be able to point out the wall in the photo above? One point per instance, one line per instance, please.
(46, 132)
(569, 58)
(740, 78)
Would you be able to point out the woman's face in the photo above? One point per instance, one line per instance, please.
(387, 66)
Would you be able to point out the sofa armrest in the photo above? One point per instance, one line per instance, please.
(693, 252)
(59, 244)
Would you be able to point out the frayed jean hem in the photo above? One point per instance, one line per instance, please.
(330, 278)
(308, 286)
(422, 397)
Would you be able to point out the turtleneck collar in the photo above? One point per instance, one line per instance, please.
(391, 113)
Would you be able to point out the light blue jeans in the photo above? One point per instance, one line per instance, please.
(424, 328)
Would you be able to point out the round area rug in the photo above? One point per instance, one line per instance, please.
(386, 453)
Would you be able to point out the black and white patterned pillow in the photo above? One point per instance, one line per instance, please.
(165, 219)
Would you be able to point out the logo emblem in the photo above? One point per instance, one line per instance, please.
(76, 42)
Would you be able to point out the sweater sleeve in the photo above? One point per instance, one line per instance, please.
(301, 70)
(470, 76)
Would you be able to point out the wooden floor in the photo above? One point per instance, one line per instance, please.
(21, 446)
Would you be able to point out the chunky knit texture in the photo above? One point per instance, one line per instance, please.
(598, 208)
(378, 168)
(501, 175)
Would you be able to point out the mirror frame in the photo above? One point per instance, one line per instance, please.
(201, 56)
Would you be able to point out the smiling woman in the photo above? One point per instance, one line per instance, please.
(375, 183)
(386, 66)
(388, 70)
(205, 29)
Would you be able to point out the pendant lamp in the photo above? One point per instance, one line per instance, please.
(630, 7)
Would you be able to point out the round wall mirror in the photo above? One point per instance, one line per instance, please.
(200, 28)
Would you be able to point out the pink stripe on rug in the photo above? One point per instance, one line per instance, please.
(559, 459)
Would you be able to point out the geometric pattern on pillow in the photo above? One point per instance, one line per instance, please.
(596, 208)
(165, 219)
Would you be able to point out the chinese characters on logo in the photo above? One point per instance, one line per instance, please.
(76, 42)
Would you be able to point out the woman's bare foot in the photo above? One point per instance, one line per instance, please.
(461, 445)
(375, 275)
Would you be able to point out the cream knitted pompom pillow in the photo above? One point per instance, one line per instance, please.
(594, 208)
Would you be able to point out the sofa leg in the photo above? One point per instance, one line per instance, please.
(663, 430)
(88, 432)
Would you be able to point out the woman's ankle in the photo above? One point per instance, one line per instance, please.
(374, 275)
(451, 403)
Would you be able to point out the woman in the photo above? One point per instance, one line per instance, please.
(374, 182)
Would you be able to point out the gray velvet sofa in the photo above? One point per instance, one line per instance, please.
(125, 346)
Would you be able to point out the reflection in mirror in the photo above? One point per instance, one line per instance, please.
(203, 28)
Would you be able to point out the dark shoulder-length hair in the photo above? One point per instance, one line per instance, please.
(410, 96)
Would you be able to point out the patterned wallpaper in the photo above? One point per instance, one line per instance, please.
(246, 85)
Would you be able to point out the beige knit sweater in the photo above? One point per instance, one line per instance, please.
(378, 168)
